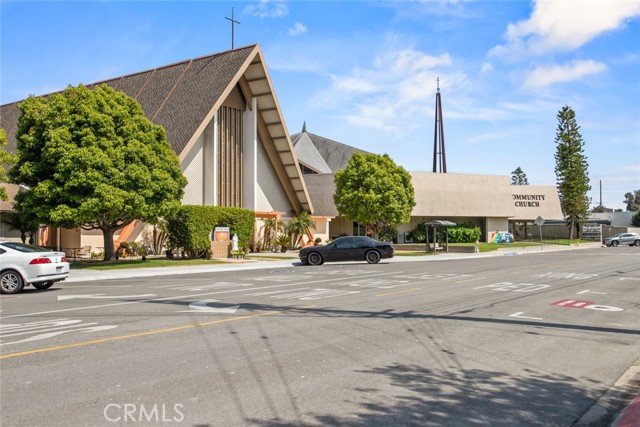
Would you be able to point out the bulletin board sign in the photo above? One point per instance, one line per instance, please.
(221, 234)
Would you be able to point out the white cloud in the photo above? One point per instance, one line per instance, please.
(353, 84)
(399, 83)
(409, 60)
(267, 9)
(557, 25)
(546, 76)
(297, 29)
(486, 68)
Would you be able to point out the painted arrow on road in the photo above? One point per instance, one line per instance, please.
(203, 306)
(102, 296)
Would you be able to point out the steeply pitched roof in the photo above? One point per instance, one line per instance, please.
(335, 154)
(184, 96)
(308, 154)
(321, 188)
(172, 96)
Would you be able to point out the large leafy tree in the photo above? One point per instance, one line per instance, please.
(632, 201)
(375, 192)
(6, 160)
(518, 177)
(572, 177)
(91, 159)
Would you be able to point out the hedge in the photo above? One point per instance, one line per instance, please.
(464, 233)
(190, 229)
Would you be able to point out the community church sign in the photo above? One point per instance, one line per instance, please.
(528, 200)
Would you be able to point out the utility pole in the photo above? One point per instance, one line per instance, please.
(233, 22)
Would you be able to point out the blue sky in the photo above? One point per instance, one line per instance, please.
(364, 72)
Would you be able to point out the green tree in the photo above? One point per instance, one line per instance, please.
(374, 191)
(21, 221)
(632, 200)
(518, 177)
(635, 219)
(6, 160)
(93, 160)
(572, 177)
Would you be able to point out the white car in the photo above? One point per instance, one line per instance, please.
(631, 239)
(22, 265)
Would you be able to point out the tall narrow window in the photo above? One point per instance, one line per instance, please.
(230, 157)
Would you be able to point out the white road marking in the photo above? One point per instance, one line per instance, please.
(203, 306)
(102, 296)
(53, 334)
(47, 329)
(519, 314)
(514, 287)
(257, 294)
(63, 310)
(315, 294)
(100, 286)
(587, 291)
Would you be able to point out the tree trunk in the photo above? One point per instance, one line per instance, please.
(109, 251)
(571, 224)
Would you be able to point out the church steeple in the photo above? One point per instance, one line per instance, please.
(439, 156)
(304, 127)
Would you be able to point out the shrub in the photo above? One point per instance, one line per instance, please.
(190, 229)
(388, 234)
(464, 233)
(418, 234)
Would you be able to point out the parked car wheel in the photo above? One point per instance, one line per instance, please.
(373, 257)
(315, 258)
(44, 285)
(11, 282)
(614, 243)
(636, 243)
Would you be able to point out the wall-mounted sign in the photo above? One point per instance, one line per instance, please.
(528, 200)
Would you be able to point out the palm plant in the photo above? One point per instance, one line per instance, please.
(299, 226)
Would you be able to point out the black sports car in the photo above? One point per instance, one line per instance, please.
(349, 248)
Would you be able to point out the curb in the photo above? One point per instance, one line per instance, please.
(605, 409)
(630, 417)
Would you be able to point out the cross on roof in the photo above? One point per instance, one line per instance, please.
(233, 22)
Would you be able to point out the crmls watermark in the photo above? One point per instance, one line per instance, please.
(133, 413)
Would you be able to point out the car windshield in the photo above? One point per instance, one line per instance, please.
(22, 247)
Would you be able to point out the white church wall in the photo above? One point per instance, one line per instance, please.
(270, 196)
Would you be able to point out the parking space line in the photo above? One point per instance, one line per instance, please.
(398, 292)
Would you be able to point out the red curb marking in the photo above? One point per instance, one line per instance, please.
(630, 417)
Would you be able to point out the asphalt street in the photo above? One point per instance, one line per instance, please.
(546, 338)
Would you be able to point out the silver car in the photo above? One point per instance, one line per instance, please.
(631, 239)
(22, 265)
